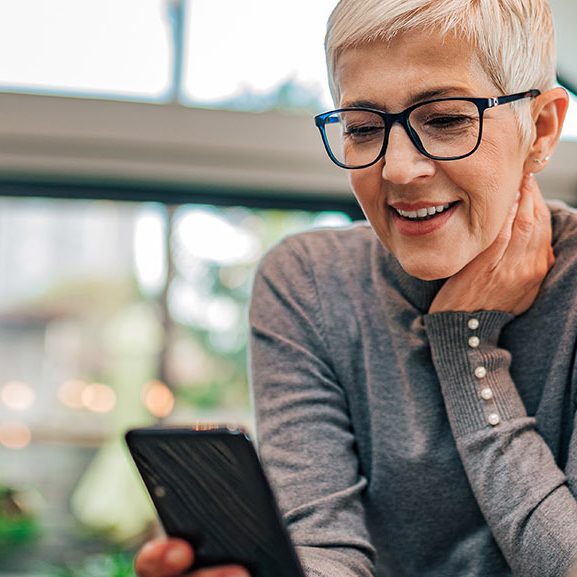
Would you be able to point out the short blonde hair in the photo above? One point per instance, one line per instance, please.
(514, 39)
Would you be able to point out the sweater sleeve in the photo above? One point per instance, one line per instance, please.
(523, 494)
(305, 436)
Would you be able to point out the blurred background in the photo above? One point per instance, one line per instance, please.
(150, 152)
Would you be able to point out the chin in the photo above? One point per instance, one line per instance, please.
(431, 271)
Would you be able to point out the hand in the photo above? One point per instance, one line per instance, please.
(507, 275)
(171, 557)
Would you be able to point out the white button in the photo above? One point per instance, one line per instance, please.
(493, 419)
(474, 342)
(473, 324)
(480, 372)
(487, 394)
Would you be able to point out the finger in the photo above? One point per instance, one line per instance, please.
(495, 252)
(528, 256)
(543, 209)
(542, 235)
(525, 218)
(164, 558)
(550, 257)
(523, 226)
(224, 571)
(531, 186)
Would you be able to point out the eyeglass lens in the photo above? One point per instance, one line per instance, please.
(446, 129)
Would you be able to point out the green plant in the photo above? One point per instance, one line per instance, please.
(18, 525)
(103, 565)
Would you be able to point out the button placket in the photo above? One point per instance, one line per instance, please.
(480, 371)
(473, 324)
(493, 419)
(474, 342)
(487, 398)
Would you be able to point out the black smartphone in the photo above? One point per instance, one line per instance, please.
(209, 488)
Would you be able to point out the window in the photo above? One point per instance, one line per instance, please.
(239, 55)
(256, 54)
(113, 314)
(118, 48)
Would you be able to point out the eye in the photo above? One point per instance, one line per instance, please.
(453, 122)
(448, 117)
(364, 131)
(449, 121)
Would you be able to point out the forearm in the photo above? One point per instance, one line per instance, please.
(323, 562)
(520, 489)
(306, 444)
(305, 435)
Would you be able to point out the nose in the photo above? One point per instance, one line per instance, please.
(403, 163)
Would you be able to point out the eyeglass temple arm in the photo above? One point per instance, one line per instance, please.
(513, 97)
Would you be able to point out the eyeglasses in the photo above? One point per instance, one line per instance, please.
(441, 129)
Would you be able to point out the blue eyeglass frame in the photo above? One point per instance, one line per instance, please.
(389, 119)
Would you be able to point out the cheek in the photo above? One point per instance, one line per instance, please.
(366, 186)
(491, 185)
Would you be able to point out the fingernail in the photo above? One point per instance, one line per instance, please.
(177, 557)
(148, 547)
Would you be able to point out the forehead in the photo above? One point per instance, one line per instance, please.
(396, 74)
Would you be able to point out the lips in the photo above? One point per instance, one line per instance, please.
(423, 212)
(415, 212)
(418, 220)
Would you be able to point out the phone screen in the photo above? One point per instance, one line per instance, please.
(208, 488)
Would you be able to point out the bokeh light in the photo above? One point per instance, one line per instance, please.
(158, 399)
(70, 393)
(17, 395)
(206, 235)
(98, 398)
(14, 435)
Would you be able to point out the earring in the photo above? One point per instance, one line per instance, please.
(539, 161)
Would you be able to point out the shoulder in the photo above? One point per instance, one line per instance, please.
(321, 267)
(304, 276)
(564, 224)
(325, 250)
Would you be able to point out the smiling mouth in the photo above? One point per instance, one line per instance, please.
(423, 213)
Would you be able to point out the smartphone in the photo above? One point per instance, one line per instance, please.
(208, 487)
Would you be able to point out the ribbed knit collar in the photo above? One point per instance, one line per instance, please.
(419, 293)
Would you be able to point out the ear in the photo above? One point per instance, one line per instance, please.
(549, 109)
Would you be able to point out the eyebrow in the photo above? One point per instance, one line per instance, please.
(413, 99)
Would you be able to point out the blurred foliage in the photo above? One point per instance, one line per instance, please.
(103, 565)
(115, 331)
(18, 525)
(224, 380)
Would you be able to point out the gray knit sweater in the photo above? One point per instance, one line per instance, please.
(398, 445)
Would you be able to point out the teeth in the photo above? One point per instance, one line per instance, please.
(422, 212)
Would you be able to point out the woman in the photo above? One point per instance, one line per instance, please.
(415, 381)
